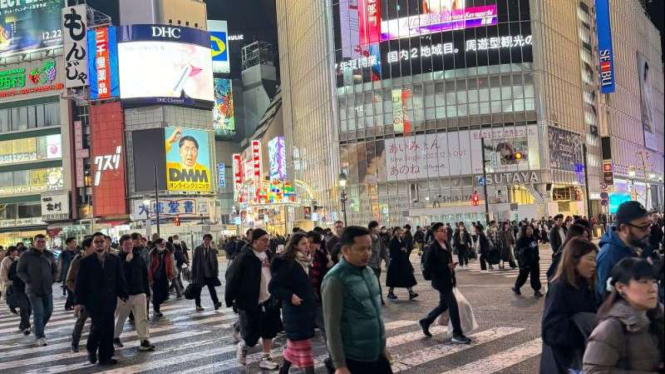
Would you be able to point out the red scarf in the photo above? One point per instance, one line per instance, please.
(154, 264)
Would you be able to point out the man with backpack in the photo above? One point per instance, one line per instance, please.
(437, 265)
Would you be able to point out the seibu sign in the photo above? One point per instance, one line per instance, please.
(520, 177)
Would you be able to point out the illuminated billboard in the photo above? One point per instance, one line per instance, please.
(646, 103)
(277, 158)
(39, 148)
(165, 64)
(103, 63)
(219, 46)
(223, 113)
(605, 53)
(187, 160)
(27, 26)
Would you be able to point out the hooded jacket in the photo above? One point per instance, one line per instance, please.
(612, 250)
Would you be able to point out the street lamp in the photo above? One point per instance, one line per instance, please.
(342, 184)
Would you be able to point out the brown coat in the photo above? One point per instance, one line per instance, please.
(623, 344)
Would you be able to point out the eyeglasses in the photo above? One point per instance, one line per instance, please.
(99, 241)
(644, 227)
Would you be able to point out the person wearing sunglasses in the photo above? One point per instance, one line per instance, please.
(628, 237)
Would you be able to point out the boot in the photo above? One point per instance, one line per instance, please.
(285, 367)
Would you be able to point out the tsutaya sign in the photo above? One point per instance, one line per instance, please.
(520, 177)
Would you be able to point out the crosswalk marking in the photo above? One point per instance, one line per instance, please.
(502, 360)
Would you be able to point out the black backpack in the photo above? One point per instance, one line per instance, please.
(425, 265)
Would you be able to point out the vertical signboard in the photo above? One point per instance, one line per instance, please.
(74, 29)
(256, 159)
(277, 158)
(605, 53)
(223, 113)
(78, 147)
(237, 171)
(369, 17)
(219, 45)
(103, 63)
(187, 160)
(221, 175)
(646, 102)
(108, 160)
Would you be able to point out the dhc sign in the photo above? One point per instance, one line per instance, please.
(605, 54)
(165, 32)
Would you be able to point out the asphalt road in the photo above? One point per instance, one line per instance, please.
(506, 341)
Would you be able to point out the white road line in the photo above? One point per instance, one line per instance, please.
(442, 350)
(502, 360)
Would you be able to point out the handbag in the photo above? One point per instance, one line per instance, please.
(187, 273)
(192, 291)
(467, 319)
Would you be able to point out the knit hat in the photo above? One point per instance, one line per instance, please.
(258, 233)
(630, 211)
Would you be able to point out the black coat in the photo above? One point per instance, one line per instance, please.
(136, 274)
(198, 269)
(243, 280)
(400, 271)
(98, 288)
(289, 278)
(555, 239)
(443, 278)
(526, 251)
(563, 339)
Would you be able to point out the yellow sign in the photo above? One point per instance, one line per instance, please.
(187, 160)
(218, 46)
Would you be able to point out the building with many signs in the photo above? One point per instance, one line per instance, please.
(414, 100)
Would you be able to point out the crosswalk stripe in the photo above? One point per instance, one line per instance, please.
(438, 351)
(500, 361)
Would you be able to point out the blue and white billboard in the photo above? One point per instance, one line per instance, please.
(219, 45)
(221, 175)
(605, 54)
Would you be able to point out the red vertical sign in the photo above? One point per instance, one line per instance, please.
(237, 170)
(103, 62)
(369, 18)
(256, 158)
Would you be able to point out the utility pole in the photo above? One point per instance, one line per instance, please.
(487, 203)
(157, 200)
(586, 184)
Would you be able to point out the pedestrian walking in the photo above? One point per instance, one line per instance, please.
(484, 248)
(629, 336)
(205, 271)
(351, 297)
(528, 258)
(135, 273)
(290, 284)
(400, 270)
(557, 234)
(379, 253)
(438, 266)
(21, 298)
(64, 260)
(409, 241)
(8, 291)
(575, 231)
(178, 262)
(160, 273)
(507, 240)
(81, 313)
(99, 284)
(247, 292)
(462, 243)
(570, 309)
(38, 269)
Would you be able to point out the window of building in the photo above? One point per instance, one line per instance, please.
(29, 210)
(5, 125)
(52, 114)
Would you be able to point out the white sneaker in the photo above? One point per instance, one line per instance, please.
(41, 342)
(241, 353)
(268, 363)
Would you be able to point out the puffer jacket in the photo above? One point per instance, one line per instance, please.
(625, 342)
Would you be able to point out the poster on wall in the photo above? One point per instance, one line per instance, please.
(74, 26)
(187, 160)
(28, 26)
(646, 102)
(565, 150)
(103, 63)
(223, 112)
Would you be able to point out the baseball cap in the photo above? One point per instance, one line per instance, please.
(629, 211)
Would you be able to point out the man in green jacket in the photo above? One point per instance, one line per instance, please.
(352, 309)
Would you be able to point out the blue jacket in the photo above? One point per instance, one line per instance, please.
(612, 250)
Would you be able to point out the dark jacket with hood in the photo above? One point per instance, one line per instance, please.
(243, 280)
(136, 274)
(289, 278)
(612, 250)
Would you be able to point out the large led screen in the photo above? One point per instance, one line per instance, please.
(168, 63)
(187, 160)
(223, 113)
(27, 26)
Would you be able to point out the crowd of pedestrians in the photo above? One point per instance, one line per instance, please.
(603, 311)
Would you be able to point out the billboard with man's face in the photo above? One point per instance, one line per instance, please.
(187, 160)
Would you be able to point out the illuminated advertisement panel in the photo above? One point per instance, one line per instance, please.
(256, 159)
(605, 54)
(27, 26)
(277, 158)
(30, 149)
(187, 160)
(108, 160)
(223, 112)
(219, 46)
(237, 171)
(103, 63)
(646, 103)
(165, 64)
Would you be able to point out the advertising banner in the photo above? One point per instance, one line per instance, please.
(237, 171)
(108, 160)
(74, 29)
(165, 64)
(187, 160)
(103, 63)
(256, 159)
(27, 26)
(40, 76)
(223, 113)
(47, 147)
(605, 53)
(646, 102)
(221, 175)
(55, 207)
(219, 45)
(277, 158)
(507, 149)
(565, 150)
(401, 122)
(369, 18)
(170, 207)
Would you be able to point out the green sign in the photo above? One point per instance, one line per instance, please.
(14, 78)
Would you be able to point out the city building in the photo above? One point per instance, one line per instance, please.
(430, 108)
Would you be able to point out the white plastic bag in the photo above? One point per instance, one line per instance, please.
(466, 316)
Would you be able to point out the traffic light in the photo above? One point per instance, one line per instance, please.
(176, 220)
(475, 200)
(517, 156)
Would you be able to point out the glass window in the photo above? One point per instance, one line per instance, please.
(8, 212)
(29, 210)
(39, 108)
(32, 119)
(22, 178)
(52, 114)
(6, 179)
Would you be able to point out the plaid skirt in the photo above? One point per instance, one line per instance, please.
(299, 353)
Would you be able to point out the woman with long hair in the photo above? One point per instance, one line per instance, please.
(629, 336)
(575, 231)
(528, 258)
(400, 271)
(570, 309)
(290, 283)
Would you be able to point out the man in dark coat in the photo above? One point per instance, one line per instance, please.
(205, 271)
(99, 284)
(557, 234)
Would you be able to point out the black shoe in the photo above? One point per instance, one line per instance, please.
(383, 302)
(159, 314)
(146, 346)
(117, 343)
(412, 295)
(425, 326)
(538, 294)
(199, 308)
(218, 305)
(516, 291)
(392, 296)
(109, 362)
(27, 331)
(461, 339)
(92, 357)
(13, 310)
(75, 348)
(329, 365)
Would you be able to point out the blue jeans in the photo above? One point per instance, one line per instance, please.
(42, 307)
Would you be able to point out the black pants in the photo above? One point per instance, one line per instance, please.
(70, 299)
(210, 282)
(378, 278)
(447, 301)
(101, 335)
(78, 326)
(380, 366)
(25, 309)
(463, 256)
(525, 272)
(484, 262)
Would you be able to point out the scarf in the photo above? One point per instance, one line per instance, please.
(304, 260)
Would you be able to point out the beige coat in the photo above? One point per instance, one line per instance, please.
(623, 344)
(4, 272)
